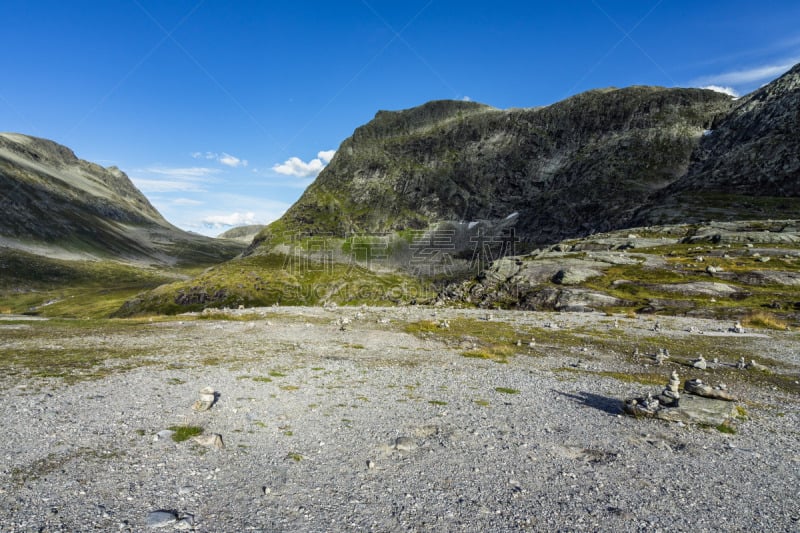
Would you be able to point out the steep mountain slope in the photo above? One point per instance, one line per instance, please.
(57, 205)
(746, 166)
(578, 166)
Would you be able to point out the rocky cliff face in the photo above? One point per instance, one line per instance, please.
(576, 167)
(56, 204)
(747, 165)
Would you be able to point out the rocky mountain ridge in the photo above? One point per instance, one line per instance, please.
(746, 166)
(57, 205)
(577, 166)
(598, 161)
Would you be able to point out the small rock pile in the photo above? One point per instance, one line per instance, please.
(703, 404)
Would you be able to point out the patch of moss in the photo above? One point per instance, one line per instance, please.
(270, 278)
(763, 319)
(493, 340)
(183, 433)
(726, 427)
(506, 390)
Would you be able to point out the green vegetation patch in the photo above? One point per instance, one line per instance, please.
(644, 378)
(183, 433)
(275, 278)
(67, 349)
(765, 320)
(39, 285)
(493, 340)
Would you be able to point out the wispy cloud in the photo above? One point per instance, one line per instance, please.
(730, 91)
(232, 161)
(294, 166)
(155, 185)
(229, 220)
(746, 76)
(222, 211)
(186, 201)
(170, 179)
(186, 172)
(223, 158)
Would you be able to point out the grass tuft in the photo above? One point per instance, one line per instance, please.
(183, 433)
(765, 320)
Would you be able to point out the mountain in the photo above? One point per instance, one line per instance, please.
(747, 165)
(57, 205)
(582, 165)
(242, 233)
(424, 204)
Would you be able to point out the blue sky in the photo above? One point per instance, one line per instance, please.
(222, 112)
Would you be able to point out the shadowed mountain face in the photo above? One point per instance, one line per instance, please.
(56, 204)
(579, 166)
(746, 166)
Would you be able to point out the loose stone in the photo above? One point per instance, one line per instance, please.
(404, 444)
(161, 518)
(212, 440)
(208, 396)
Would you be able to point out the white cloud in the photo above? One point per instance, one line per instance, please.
(326, 155)
(466, 99)
(186, 201)
(752, 75)
(155, 185)
(294, 166)
(232, 161)
(226, 221)
(189, 172)
(167, 179)
(223, 158)
(730, 91)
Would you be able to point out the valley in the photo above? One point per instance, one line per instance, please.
(472, 319)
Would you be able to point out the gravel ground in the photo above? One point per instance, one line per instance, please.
(373, 429)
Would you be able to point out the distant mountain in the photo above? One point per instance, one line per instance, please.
(57, 205)
(242, 233)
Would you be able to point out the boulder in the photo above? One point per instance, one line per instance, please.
(691, 409)
(574, 275)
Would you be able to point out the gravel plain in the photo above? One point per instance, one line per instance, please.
(357, 425)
